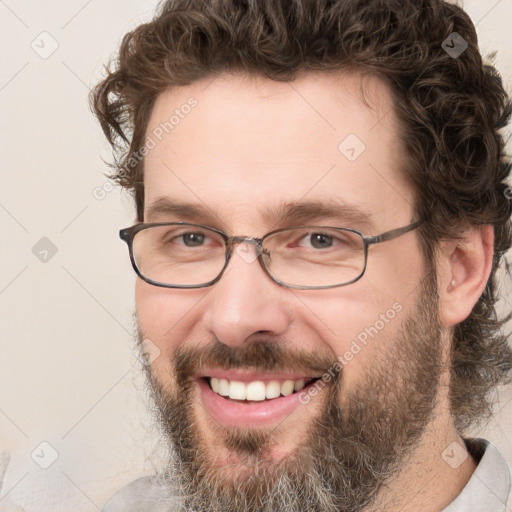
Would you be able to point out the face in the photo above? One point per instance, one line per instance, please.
(355, 367)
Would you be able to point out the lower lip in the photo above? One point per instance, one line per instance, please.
(248, 414)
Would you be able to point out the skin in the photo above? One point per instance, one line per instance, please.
(251, 144)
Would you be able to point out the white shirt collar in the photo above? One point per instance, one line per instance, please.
(488, 488)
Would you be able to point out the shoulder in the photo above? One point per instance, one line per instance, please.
(145, 494)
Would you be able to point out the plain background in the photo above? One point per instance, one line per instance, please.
(68, 375)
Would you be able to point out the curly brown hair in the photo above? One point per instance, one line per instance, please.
(450, 109)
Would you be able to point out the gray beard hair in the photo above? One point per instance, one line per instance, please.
(350, 452)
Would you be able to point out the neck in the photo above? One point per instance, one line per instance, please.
(435, 471)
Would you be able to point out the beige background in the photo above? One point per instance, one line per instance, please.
(67, 371)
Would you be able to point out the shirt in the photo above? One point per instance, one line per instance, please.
(487, 490)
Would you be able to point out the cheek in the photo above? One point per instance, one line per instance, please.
(165, 316)
(396, 269)
(358, 325)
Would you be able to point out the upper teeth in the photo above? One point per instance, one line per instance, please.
(256, 390)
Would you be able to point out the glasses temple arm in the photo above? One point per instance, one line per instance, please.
(394, 233)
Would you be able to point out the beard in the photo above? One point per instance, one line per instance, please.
(352, 448)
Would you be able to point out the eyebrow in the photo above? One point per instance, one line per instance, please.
(282, 215)
(329, 210)
(165, 207)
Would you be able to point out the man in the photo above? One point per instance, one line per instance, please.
(321, 210)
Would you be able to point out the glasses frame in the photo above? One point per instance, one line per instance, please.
(128, 234)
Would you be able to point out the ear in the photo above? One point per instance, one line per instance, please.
(464, 266)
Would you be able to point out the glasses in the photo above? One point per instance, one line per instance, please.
(184, 255)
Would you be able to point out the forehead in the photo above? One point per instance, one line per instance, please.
(241, 146)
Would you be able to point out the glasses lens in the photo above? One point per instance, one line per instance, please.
(315, 256)
(179, 255)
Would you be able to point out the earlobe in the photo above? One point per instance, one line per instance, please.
(464, 266)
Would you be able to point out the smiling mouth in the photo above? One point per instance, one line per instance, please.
(256, 391)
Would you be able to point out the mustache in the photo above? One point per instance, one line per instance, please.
(262, 355)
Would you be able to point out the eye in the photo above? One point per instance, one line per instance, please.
(319, 240)
(181, 238)
(192, 239)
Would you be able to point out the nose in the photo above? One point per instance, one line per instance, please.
(245, 301)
